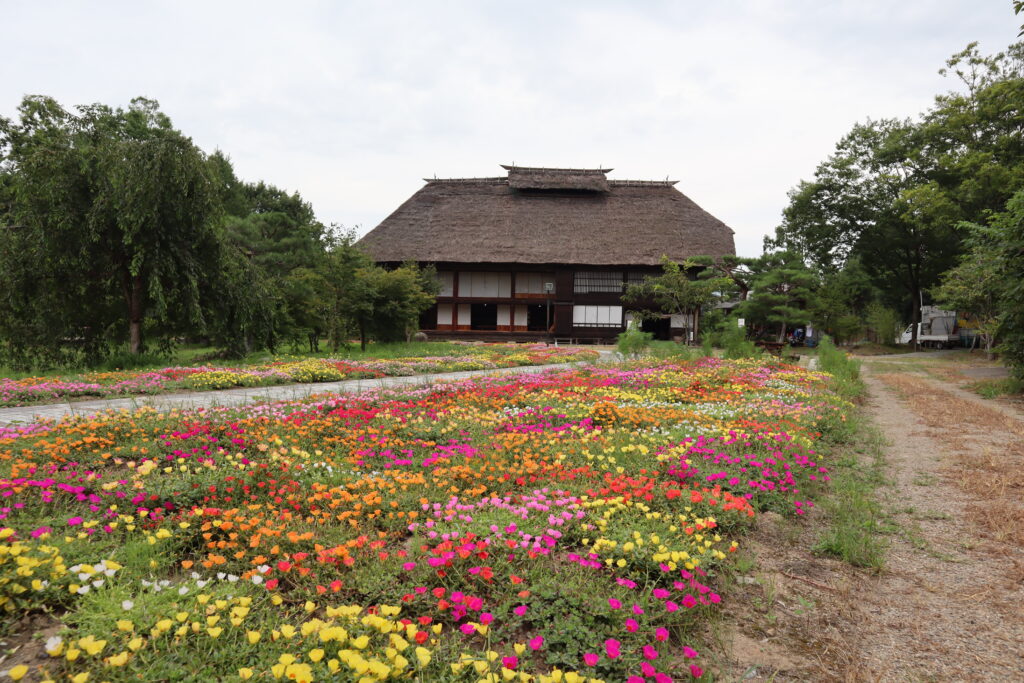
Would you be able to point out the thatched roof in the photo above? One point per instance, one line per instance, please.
(538, 216)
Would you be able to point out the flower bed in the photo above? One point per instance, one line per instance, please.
(568, 526)
(29, 390)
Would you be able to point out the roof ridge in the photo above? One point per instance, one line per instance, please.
(498, 179)
(626, 183)
(543, 169)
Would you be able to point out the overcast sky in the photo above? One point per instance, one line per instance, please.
(353, 103)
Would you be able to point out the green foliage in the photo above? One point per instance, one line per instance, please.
(110, 212)
(783, 293)
(844, 369)
(633, 343)
(734, 342)
(677, 291)
(1010, 227)
(884, 323)
(895, 192)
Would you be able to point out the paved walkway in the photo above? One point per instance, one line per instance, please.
(227, 397)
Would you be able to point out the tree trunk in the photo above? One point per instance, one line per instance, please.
(915, 318)
(362, 335)
(782, 333)
(135, 316)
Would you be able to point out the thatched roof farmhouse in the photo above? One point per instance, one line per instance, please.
(563, 240)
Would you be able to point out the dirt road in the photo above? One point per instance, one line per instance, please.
(949, 603)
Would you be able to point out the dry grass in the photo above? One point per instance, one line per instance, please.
(990, 464)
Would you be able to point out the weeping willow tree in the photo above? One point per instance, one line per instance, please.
(107, 225)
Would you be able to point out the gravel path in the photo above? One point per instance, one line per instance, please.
(225, 397)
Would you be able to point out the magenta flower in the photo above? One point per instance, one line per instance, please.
(74, 521)
(611, 648)
(537, 643)
(510, 662)
(409, 566)
(632, 625)
(689, 652)
(520, 610)
(650, 652)
(696, 671)
(635, 679)
(486, 617)
(661, 635)
(590, 658)
(614, 603)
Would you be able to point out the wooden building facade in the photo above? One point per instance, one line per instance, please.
(544, 253)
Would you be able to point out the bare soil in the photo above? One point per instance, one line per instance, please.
(949, 603)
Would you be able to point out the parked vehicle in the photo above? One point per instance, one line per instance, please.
(937, 329)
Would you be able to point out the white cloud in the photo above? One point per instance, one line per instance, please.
(352, 103)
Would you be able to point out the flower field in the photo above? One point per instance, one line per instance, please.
(16, 392)
(569, 526)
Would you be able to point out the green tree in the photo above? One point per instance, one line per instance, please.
(108, 204)
(894, 192)
(783, 292)
(677, 291)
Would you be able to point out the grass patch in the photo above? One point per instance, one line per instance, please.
(994, 388)
(855, 530)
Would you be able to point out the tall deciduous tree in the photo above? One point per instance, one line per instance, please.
(107, 203)
(894, 192)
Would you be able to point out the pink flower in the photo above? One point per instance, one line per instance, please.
(637, 609)
(671, 605)
(689, 652)
(662, 678)
(409, 566)
(590, 658)
(537, 643)
(631, 625)
(696, 671)
(74, 521)
(661, 635)
(520, 610)
(510, 662)
(486, 617)
(468, 629)
(611, 648)
(614, 603)
(650, 652)
(647, 669)
(661, 593)
(635, 679)
(689, 602)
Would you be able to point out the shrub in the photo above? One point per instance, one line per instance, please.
(633, 343)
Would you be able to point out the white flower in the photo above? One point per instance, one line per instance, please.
(97, 583)
(82, 590)
(183, 590)
(257, 580)
(127, 605)
(232, 578)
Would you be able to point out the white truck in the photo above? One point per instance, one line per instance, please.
(937, 329)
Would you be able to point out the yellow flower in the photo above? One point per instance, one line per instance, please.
(214, 631)
(119, 659)
(253, 636)
(72, 654)
(316, 654)
(16, 673)
(135, 644)
(288, 631)
(245, 673)
(125, 625)
(423, 656)
(360, 643)
(80, 678)
(310, 606)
